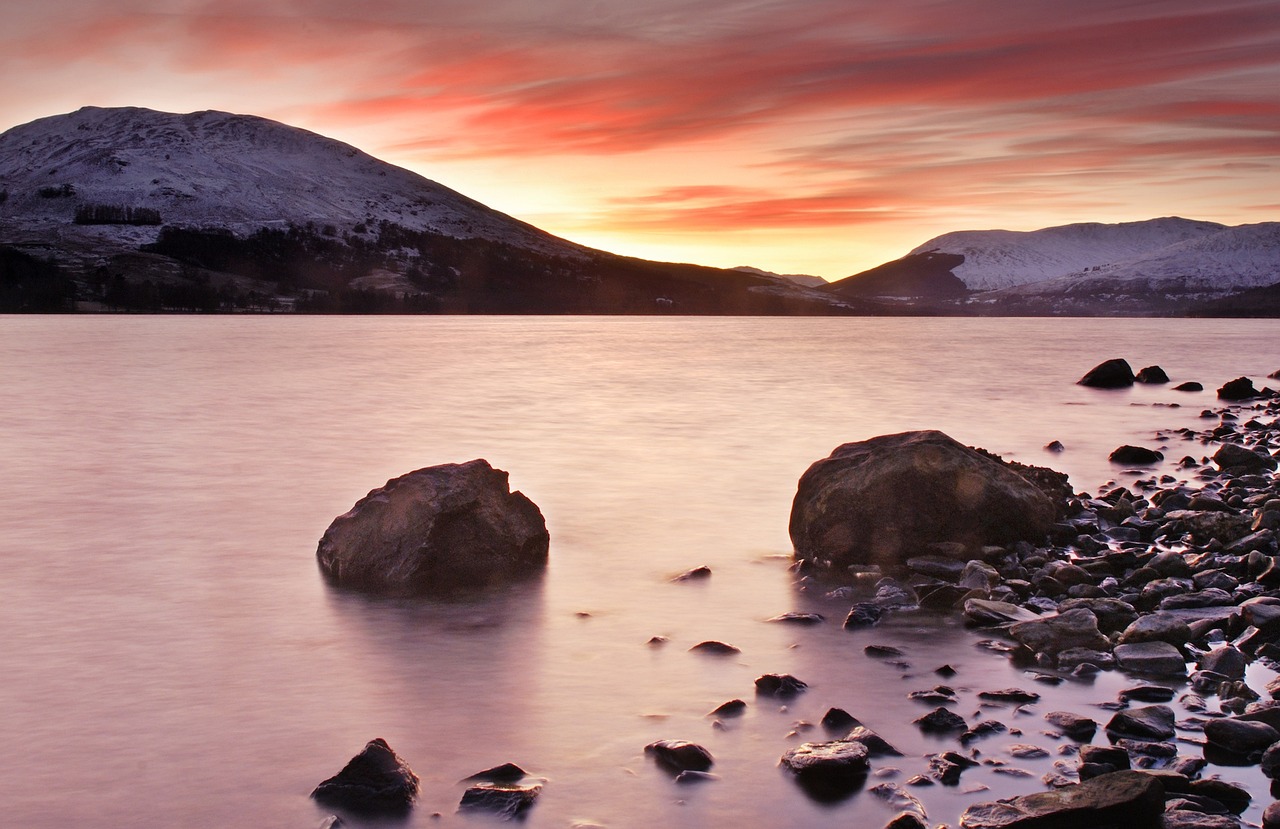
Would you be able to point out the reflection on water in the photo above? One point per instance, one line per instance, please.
(172, 657)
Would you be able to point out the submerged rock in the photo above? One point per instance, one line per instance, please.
(828, 769)
(882, 500)
(438, 529)
(374, 781)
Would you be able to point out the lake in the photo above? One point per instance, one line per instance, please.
(172, 657)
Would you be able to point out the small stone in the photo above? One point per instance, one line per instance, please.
(940, 720)
(732, 708)
(779, 685)
(679, 755)
(506, 801)
(374, 781)
(695, 574)
(715, 648)
(1153, 722)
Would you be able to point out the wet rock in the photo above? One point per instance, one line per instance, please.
(1135, 455)
(838, 719)
(1123, 798)
(948, 766)
(795, 617)
(1271, 816)
(1240, 460)
(828, 769)
(1270, 762)
(1111, 374)
(899, 798)
(1239, 737)
(1225, 660)
(715, 648)
(1235, 798)
(863, 614)
(779, 685)
(1157, 627)
(906, 820)
(876, 745)
(690, 776)
(1073, 725)
(1190, 385)
(1112, 614)
(1189, 819)
(942, 721)
(1151, 374)
(882, 500)
(1053, 634)
(678, 755)
(1152, 722)
(1240, 388)
(695, 574)
(505, 773)
(436, 530)
(988, 613)
(938, 693)
(1054, 446)
(1015, 695)
(505, 801)
(1153, 658)
(1098, 760)
(732, 708)
(375, 781)
(983, 729)
(882, 651)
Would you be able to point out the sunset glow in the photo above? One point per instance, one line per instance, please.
(820, 136)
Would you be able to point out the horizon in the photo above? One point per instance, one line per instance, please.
(815, 138)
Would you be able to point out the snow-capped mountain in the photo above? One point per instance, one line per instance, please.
(1161, 266)
(995, 259)
(132, 209)
(233, 171)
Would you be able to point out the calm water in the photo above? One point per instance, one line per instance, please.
(171, 657)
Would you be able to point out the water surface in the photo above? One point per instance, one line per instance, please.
(172, 657)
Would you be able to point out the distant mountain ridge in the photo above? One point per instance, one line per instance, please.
(146, 210)
(1165, 265)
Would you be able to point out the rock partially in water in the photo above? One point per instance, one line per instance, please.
(1153, 658)
(828, 769)
(1190, 385)
(1242, 738)
(779, 685)
(1151, 374)
(436, 530)
(507, 801)
(715, 648)
(1073, 725)
(1152, 722)
(1115, 373)
(1240, 388)
(679, 755)
(942, 721)
(375, 781)
(1239, 460)
(1051, 635)
(1124, 798)
(883, 500)
(1135, 455)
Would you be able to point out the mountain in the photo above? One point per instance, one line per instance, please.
(1161, 266)
(149, 210)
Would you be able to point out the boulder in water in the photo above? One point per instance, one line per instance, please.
(1112, 374)
(881, 501)
(436, 530)
(1240, 388)
(1152, 374)
(375, 781)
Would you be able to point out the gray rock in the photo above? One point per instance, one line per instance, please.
(439, 529)
(1152, 722)
(779, 685)
(830, 768)
(375, 781)
(988, 613)
(1154, 658)
(1271, 816)
(1124, 798)
(507, 801)
(1073, 725)
(1240, 460)
(1240, 737)
(1053, 634)
(1225, 660)
(882, 500)
(1156, 627)
(1188, 819)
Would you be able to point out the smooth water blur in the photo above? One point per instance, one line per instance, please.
(172, 658)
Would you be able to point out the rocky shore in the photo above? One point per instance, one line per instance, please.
(1172, 582)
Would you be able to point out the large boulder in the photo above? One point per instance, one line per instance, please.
(1123, 798)
(1112, 374)
(435, 530)
(882, 501)
(375, 781)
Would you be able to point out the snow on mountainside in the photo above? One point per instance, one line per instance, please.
(995, 259)
(234, 171)
(1233, 258)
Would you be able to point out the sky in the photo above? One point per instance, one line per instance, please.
(805, 136)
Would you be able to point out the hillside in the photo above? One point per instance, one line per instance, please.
(145, 210)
